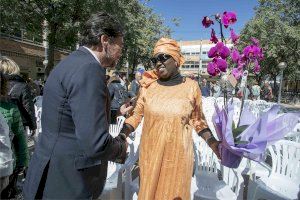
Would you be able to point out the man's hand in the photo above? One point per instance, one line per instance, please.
(122, 140)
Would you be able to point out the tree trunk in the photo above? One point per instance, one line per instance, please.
(52, 43)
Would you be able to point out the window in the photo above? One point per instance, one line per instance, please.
(39, 63)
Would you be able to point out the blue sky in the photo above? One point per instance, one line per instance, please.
(191, 13)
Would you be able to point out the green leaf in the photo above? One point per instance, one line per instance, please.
(241, 142)
(237, 131)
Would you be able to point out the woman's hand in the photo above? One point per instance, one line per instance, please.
(125, 109)
(214, 145)
(128, 107)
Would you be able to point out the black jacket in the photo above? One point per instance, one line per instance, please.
(19, 91)
(72, 152)
(118, 94)
(135, 87)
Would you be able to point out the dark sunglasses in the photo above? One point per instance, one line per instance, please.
(161, 58)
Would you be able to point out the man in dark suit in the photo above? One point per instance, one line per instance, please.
(70, 160)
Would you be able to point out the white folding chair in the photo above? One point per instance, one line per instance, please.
(111, 189)
(295, 134)
(283, 181)
(132, 185)
(207, 176)
(220, 102)
(114, 129)
(208, 108)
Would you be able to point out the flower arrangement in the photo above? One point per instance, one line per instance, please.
(249, 58)
(251, 135)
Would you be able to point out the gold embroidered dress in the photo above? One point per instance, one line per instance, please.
(166, 149)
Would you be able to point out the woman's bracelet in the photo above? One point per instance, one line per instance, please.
(210, 140)
(204, 131)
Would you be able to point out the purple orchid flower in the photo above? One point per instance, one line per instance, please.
(228, 18)
(219, 50)
(213, 37)
(240, 65)
(237, 73)
(216, 66)
(212, 69)
(221, 64)
(256, 68)
(225, 52)
(206, 22)
(253, 51)
(242, 62)
(234, 37)
(212, 52)
(235, 55)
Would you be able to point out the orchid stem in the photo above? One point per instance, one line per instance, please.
(242, 105)
(243, 97)
(221, 30)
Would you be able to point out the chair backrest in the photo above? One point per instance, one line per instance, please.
(286, 159)
(232, 179)
(294, 135)
(205, 160)
(208, 108)
(211, 99)
(115, 129)
(237, 108)
(259, 106)
(220, 102)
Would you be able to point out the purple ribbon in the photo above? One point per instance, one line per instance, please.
(262, 131)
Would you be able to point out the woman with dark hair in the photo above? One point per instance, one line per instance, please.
(171, 106)
(12, 116)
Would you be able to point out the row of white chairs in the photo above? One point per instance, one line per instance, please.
(213, 181)
(257, 107)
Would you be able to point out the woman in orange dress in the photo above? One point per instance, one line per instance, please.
(171, 106)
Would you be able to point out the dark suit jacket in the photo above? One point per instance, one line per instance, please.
(70, 160)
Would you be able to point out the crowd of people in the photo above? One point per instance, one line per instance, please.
(253, 91)
(80, 101)
(17, 108)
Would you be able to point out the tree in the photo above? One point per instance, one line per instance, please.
(62, 18)
(276, 25)
(65, 19)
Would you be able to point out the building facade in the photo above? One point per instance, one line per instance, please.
(196, 58)
(28, 55)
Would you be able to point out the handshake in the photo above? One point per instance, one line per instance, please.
(121, 139)
(124, 145)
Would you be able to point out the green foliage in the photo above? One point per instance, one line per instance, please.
(236, 132)
(277, 26)
(66, 17)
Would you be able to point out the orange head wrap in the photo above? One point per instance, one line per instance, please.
(167, 46)
(170, 47)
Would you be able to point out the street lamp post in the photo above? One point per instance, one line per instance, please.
(200, 63)
(281, 66)
(45, 44)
